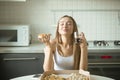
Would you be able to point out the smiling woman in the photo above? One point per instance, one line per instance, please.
(62, 53)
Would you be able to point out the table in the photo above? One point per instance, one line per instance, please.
(36, 77)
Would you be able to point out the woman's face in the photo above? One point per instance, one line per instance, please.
(65, 26)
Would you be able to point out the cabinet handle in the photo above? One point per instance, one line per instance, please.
(16, 59)
(102, 63)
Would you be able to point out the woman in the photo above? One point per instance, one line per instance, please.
(62, 53)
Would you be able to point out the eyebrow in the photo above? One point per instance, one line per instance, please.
(63, 21)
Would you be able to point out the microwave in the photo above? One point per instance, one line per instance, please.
(14, 35)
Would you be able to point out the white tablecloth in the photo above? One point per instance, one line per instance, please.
(31, 77)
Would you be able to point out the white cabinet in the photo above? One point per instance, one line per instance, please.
(59, 14)
(12, 0)
(119, 17)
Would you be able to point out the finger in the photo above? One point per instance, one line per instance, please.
(49, 36)
(45, 38)
(81, 34)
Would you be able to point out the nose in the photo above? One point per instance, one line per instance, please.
(65, 25)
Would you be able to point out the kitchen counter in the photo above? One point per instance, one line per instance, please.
(38, 48)
(31, 77)
(32, 48)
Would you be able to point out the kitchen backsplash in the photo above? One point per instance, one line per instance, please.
(98, 19)
(96, 24)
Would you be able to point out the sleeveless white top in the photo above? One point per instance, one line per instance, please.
(63, 63)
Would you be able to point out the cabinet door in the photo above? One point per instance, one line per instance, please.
(20, 64)
(59, 14)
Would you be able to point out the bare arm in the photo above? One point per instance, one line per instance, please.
(48, 52)
(48, 60)
(84, 53)
(84, 58)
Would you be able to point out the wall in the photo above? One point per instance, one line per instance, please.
(39, 13)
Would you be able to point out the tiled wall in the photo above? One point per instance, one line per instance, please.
(39, 14)
(96, 24)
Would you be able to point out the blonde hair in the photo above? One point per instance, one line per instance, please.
(76, 48)
(58, 37)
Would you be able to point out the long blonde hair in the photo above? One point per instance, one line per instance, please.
(76, 48)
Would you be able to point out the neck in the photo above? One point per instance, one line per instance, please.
(66, 40)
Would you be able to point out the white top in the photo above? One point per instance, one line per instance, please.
(63, 63)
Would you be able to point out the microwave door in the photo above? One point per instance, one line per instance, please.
(8, 35)
(14, 35)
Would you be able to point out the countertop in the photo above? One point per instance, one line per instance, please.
(38, 48)
(31, 77)
(32, 48)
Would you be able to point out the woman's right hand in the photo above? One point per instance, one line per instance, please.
(45, 38)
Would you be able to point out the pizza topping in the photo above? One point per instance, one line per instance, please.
(72, 76)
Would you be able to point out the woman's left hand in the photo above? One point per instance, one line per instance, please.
(83, 42)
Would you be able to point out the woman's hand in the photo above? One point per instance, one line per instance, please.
(48, 52)
(45, 38)
(83, 42)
